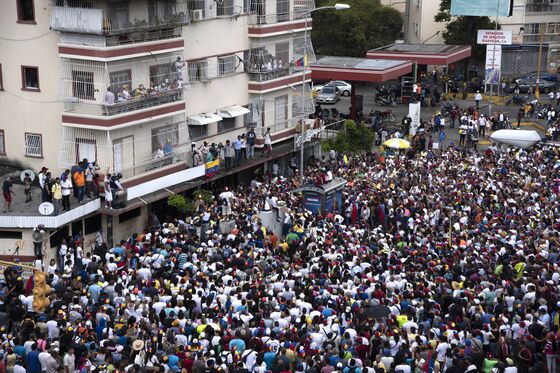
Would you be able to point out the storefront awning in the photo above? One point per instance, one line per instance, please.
(233, 111)
(202, 119)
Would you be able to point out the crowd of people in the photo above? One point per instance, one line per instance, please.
(234, 152)
(441, 263)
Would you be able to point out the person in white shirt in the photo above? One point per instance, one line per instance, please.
(477, 99)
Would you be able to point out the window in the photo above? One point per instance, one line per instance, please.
(198, 70)
(281, 112)
(226, 124)
(198, 132)
(30, 78)
(82, 85)
(33, 145)
(25, 11)
(158, 73)
(129, 215)
(1, 81)
(224, 8)
(226, 65)
(119, 79)
(164, 134)
(283, 10)
(14, 235)
(2, 143)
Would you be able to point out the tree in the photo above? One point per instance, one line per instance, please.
(462, 30)
(366, 25)
(353, 138)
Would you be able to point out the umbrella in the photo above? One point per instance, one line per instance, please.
(378, 310)
(396, 143)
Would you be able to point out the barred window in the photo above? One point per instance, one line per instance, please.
(34, 145)
(198, 70)
(198, 132)
(119, 79)
(158, 73)
(82, 85)
(165, 134)
(226, 65)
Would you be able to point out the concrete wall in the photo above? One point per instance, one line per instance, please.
(420, 23)
(24, 111)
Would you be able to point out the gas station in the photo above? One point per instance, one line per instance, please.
(354, 70)
(387, 63)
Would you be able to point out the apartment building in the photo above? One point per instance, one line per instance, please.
(420, 26)
(530, 19)
(117, 80)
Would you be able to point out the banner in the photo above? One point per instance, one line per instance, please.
(489, 8)
(414, 114)
(500, 37)
(493, 64)
(212, 167)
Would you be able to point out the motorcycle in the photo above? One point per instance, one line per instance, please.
(385, 100)
(382, 116)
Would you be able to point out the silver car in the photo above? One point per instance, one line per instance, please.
(328, 95)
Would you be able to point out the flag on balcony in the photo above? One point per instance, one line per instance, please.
(301, 62)
(212, 167)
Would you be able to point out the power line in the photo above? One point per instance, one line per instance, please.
(33, 38)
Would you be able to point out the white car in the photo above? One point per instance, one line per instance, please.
(343, 88)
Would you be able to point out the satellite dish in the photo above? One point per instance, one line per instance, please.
(29, 173)
(46, 208)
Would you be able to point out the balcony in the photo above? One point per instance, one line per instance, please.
(268, 12)
(118, 92)
(151, 148)
(104, 23)
(543, 7)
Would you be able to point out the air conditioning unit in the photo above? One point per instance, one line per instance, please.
(197, 15)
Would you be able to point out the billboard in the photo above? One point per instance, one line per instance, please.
(489, 8)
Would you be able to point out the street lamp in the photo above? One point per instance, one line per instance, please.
(336, 6)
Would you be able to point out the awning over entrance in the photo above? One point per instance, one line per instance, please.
(202, 119)
(233, 111)
(422, 54)
(358, 69)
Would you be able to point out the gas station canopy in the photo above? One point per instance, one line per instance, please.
(358, 69)
(422, 54)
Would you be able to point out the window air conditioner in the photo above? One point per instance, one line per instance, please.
(197, 15)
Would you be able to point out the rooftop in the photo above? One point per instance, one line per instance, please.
(359, 69)
(423, 54)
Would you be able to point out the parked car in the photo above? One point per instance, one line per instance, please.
(327, 95)
(533, 76)
(544, 85)
(342, 87)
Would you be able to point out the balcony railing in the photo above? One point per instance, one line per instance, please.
(542, 8)
(106, 89)
(131, 18)
(130, 152)
(281, 11)
(135, 103)
(536, 38)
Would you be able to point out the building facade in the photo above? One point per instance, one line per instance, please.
(119, 81)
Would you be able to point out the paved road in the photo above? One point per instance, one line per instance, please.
(399, 111)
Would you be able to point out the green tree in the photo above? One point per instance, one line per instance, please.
(462, 30)
(352, 139)
(366, 25)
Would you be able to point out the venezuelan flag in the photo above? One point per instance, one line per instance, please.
(300, 62)
(212, 167)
